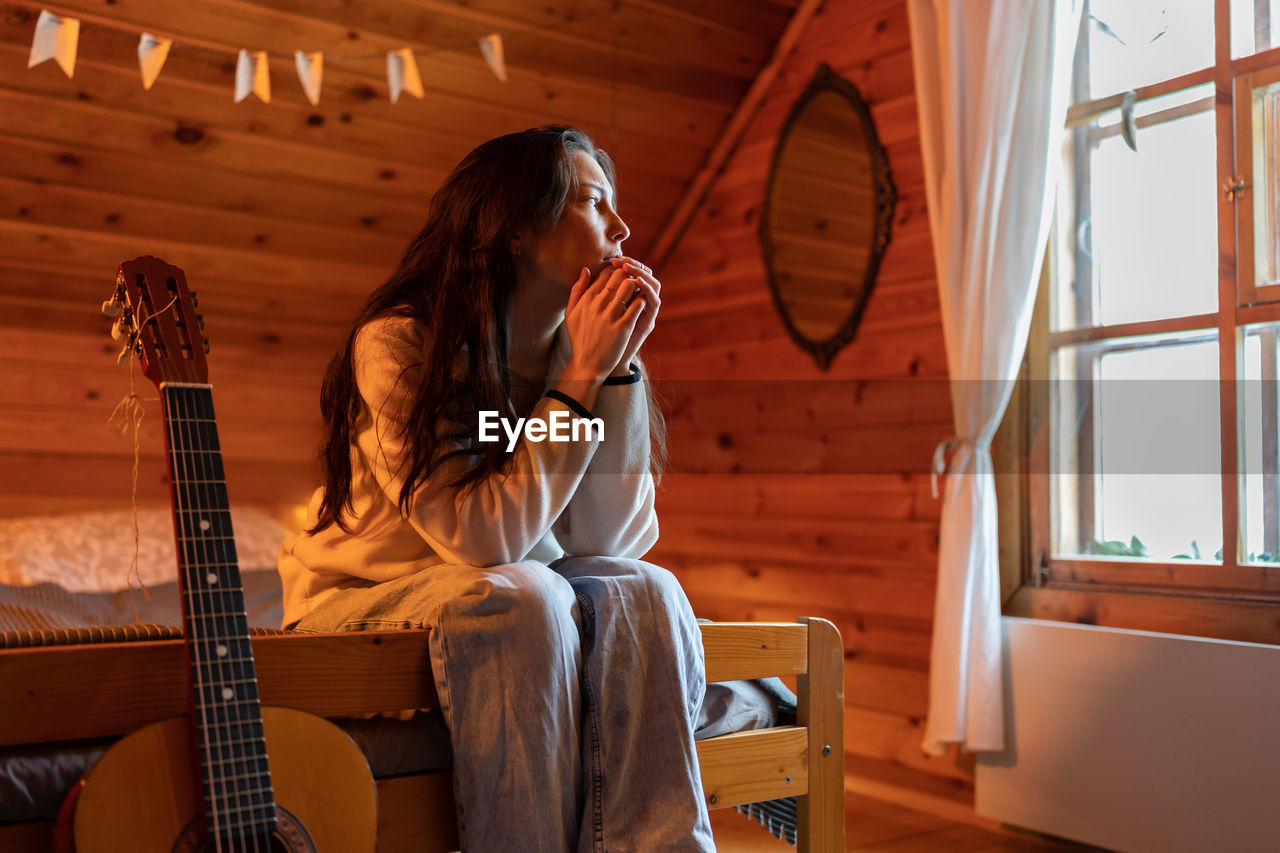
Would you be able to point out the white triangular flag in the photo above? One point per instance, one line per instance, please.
(152, 52)
(402, 73)
(251, 76)
(310, 72)
(56, 38)
(491, 47)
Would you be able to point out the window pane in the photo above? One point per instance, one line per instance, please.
(1265, 104)
(1255, 26)
(1135, 442)
(1260, 515)
(1134, 43)
(1141, 244)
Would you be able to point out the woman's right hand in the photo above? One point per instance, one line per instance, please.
(599, 326)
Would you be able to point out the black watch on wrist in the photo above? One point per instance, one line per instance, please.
(630, 379)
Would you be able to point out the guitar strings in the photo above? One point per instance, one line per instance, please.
(190, 607)
(218, 550)
(224, 788)
(194, 610)
(212, 535)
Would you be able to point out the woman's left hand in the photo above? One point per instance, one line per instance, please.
(646, 288)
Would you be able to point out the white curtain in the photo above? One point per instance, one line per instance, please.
(991, 86)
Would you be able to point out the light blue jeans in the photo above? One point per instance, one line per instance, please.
(571, 693)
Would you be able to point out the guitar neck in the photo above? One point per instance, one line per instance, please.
(224, 687)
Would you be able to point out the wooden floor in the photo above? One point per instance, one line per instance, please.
(872, 825)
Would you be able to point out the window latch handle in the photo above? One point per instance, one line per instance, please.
(1234, 186)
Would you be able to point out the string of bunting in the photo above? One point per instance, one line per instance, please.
(57, 37)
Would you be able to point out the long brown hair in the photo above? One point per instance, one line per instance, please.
(457, 279)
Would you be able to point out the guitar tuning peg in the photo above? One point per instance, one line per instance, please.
(206, 344)
(200, 320)
(118, 331)
(112, 307)
(195, 299)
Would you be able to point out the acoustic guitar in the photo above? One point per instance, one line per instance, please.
(232, 775)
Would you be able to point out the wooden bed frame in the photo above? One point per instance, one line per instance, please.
(60, 693)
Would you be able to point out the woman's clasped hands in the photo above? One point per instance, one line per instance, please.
(609, 318)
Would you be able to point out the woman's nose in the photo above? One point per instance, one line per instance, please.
(620, 231)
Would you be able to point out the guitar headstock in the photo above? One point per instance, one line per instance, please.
(156, 315)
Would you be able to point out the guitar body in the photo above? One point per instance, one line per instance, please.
(143, 795)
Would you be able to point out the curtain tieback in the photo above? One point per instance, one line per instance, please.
(940, 459)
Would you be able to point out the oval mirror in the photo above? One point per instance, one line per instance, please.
(826, 216)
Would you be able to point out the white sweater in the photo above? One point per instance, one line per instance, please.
(583, 498)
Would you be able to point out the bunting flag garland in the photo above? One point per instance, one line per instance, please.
(252, 76)
(310, 72)
(402, 74)
(56, 38)
(491, 47)
(152, 52)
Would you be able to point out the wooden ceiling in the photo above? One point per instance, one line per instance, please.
(95, 166)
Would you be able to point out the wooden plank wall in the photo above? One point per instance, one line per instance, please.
(281, 223)
(283, 215)
(798, 492)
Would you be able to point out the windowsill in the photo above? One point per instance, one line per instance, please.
(1148, 633)
(1223, 619)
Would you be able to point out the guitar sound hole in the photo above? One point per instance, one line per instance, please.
(290, 837)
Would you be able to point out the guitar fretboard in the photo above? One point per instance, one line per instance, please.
(232, 751)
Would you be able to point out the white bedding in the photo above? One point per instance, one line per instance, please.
(92, 551)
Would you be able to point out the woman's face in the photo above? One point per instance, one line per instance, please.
(588, 234)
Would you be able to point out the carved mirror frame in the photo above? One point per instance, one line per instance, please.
(885, 199)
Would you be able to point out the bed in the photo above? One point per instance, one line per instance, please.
(68, 689)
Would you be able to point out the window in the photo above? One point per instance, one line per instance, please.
(1149, 433)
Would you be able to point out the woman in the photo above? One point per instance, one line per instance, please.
(570, 672)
